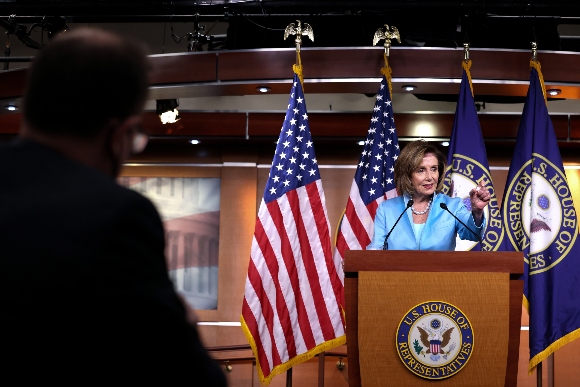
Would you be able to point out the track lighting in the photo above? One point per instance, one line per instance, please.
(167, 110)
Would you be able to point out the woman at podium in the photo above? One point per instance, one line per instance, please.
(422, 217)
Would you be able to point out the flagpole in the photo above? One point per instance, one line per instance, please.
(551, 370)
(297, 30)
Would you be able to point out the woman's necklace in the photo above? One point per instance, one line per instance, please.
(424, 211)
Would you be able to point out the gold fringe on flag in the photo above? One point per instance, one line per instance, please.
(466, 64)
(387, 72)
(298, 69)
(535, 64)
(279, 369)
(540, 357)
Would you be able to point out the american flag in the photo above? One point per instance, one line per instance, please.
(292, 304)
(374, 178)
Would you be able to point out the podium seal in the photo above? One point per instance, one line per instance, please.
(434, 340)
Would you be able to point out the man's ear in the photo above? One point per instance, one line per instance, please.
(120, 136)
(114, 138)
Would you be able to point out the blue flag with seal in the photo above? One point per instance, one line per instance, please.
(541, 221)
(467, 165)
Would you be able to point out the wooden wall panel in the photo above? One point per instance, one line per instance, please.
(170, 171)
(306, 375)
(506, 126)
(575, 127)
(336, 183)
(244, 374)
(197, 125)
(12, 82)
(266, 124)
(183, 68)
(262, 64)
(525, 380)
(408, 125)
(342, 63)
(237, 220)
(335, 63)
(325, 126)
(566, 370)
(424, 125)
(321, 124)
(10, 123)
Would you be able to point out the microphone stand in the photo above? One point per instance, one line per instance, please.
(386, 244)
(444, 206)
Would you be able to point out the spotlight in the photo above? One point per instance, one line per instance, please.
(263, 89)
(361, 143)
(445, 143)
(194, 142)
(167, 110)
(554, 91)
(409, 87)
(11, 108)
(54, 25)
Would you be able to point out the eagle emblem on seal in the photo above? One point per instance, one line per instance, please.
(435, 342)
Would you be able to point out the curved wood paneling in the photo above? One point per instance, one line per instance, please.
(325, 65)
(12, 83)
(323, 125)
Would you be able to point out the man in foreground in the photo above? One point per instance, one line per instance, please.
(84, 290)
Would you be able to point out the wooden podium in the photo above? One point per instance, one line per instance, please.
(382, 286)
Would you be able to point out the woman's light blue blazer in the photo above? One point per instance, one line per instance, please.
(439, 232)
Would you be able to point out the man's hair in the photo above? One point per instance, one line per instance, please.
(83, 79)
(409, 160)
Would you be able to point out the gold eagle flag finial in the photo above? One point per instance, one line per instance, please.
(387, 35)
(534, 51)
(299, 31)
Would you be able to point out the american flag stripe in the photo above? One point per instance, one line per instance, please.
(293, 305)
(309, 248)
(373, 182)
(266, 288)
(324, 268)
(297, 261)
(259, 320)
(359, 218)
(288, 275)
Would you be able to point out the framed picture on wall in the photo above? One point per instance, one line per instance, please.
(190, 210)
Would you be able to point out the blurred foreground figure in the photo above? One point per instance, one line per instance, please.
(84, 290)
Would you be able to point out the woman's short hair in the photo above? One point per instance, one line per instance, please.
(409, 160)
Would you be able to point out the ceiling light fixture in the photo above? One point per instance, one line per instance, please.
(263, 89)
(194, 142)
(554, 91)
(445, 143)
(361, 143)
(167, 110)
(409, 87)
(11, 108)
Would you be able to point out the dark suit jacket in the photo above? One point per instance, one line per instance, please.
(83, 281)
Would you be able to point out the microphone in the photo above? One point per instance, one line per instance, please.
(444, 206)
(409, 204)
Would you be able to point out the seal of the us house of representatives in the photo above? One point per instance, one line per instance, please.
(435, 340)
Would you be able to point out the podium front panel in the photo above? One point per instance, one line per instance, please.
(384, 298)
